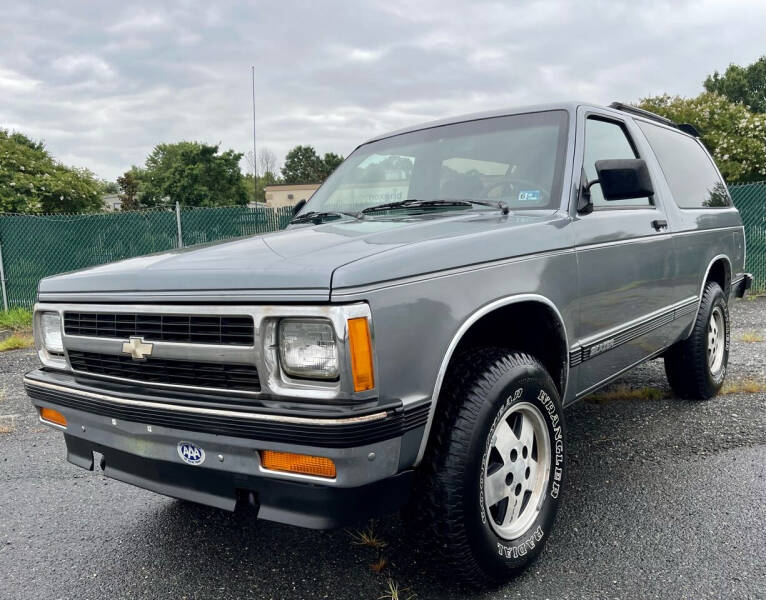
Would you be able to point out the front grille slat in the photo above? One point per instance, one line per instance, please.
(191, 329)
(225, 376)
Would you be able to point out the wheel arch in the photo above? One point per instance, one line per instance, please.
(556, 356)
(718, 270)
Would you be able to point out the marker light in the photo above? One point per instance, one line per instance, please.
(52, 416)
(298, 463)
(361, 354)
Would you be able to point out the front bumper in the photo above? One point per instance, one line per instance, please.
(138, 437)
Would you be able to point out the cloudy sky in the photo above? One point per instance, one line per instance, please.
(102, 82)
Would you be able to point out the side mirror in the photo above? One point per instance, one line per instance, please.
(622, 179)
(298, 206)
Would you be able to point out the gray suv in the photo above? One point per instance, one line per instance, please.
(412, 338)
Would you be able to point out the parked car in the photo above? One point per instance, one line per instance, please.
(412, 338)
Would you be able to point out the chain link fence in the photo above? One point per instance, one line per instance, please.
(750, 200)
(33, 247)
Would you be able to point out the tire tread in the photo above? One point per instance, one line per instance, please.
(438, 494)
(686, 362)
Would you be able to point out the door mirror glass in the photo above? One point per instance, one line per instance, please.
(623, 178)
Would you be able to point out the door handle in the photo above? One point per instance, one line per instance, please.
(659, 224)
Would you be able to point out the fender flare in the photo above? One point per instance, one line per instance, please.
(713, 260)
(464, 327)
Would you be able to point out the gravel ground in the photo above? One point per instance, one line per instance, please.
(664, 500)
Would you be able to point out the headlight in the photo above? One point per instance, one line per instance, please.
(50, 330)
(307, 348)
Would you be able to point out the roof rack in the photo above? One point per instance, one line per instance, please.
(641, 113)
(687, 128)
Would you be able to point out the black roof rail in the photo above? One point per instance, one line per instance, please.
(685, 127)
(689, 128)
(641, 113)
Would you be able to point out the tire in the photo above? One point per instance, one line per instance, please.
(695, 370)
(490, 400)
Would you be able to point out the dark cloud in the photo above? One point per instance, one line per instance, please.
(103, 82)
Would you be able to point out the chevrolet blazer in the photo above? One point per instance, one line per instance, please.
(413, 336)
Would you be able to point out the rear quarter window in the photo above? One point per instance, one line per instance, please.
(689, 170)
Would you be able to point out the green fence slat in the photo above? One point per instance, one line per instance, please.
(38, 246)
(750, 200)
(35, 246)
(204, 225)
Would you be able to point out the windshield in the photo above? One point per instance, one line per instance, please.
(517, 160)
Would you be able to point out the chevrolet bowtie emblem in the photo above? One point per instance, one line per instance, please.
(137, 348)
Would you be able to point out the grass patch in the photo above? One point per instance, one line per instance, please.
(744, 386)
(368, 538)
(16, 319)
(750, 337)
(379, 565)
(16, 342)
(625, 392)
(392, 591)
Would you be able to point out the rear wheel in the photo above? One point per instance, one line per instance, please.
(490, 482)
(696, 366)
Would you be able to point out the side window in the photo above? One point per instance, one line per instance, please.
(688, 169)
(605, 140)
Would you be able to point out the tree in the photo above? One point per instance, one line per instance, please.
(304, 165)
(193, 174)
(267, 178)
(250, 161)
(746, 85)
(129, 185)
(735, 137)
(267, 162)
(107, 188)
(331, 161)
(32, 181)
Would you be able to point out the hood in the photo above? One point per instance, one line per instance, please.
(296, 263)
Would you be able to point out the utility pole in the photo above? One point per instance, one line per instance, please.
(178, 226)
(255, 156)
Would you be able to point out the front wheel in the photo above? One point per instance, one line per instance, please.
(492, 476)
(696, 366)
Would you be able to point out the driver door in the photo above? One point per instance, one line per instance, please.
(626, 262)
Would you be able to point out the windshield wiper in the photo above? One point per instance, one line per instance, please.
(414, 203)
(317, 217)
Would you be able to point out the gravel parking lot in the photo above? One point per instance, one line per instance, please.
(664, 500)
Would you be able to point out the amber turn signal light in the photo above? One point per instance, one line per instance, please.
(297, 463)
(361, 354)
(52, 416)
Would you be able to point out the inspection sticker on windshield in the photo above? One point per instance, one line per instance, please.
(529, 196)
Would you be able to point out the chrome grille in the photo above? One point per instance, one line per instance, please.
(230, 330)
(188, 373)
